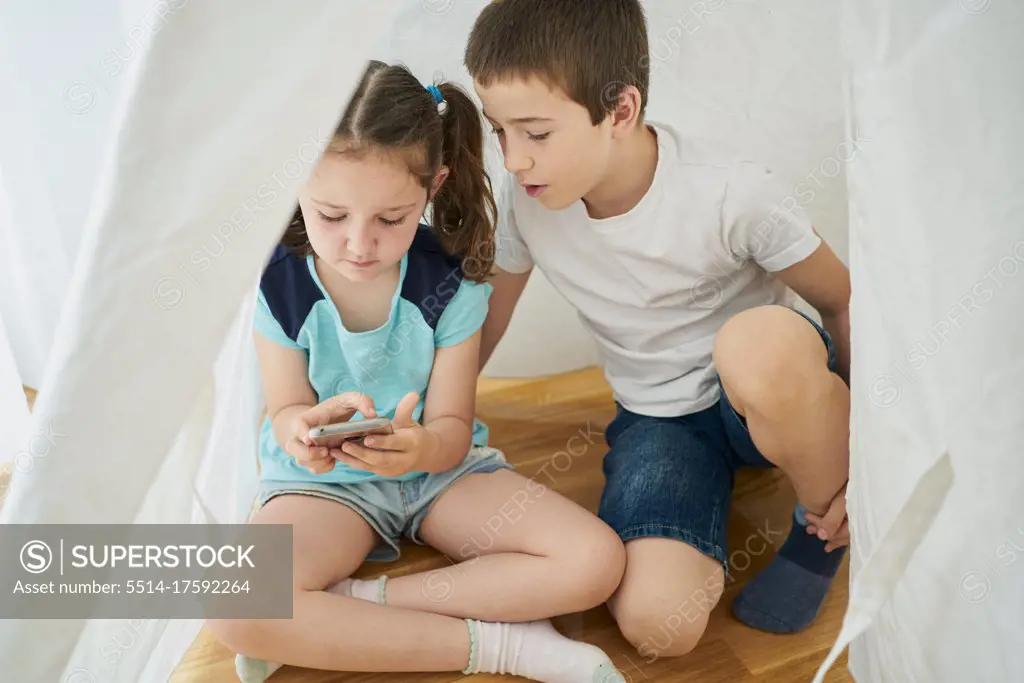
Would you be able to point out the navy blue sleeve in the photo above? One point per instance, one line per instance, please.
(266, 324)
(464, 314)
(287, 295)
(432, 277)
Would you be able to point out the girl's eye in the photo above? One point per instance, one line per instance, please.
(331, 219)
(385, 221)
(538, 138)
(497, 131)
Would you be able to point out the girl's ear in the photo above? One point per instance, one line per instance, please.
(439, 179)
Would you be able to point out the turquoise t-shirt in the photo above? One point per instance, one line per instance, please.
(433, 306)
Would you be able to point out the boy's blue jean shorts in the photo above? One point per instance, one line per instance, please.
(672, 477)
(391, 507)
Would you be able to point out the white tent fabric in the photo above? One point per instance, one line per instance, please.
(936, 494)
(193, 106)
(223, 100)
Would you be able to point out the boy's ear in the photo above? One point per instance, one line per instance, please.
(626, 115)
(442, 175)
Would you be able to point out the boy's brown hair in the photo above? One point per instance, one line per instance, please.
(590, 49)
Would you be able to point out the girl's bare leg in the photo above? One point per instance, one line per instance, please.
(524, 553)
(333, 632)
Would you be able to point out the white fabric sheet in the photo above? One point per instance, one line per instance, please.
(936, 496)
(13, 406)
(224, 100)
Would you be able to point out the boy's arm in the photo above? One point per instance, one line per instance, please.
(823, 281)
(508, 287)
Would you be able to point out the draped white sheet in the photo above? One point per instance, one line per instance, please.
(13, 406)
(221, 100)
(936, 494)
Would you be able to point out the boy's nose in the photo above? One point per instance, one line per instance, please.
(515, 162)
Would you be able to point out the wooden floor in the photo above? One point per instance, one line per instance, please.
(533, 420)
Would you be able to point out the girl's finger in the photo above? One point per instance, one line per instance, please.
(368, 455)
(297, 449)
(318, 466)
(354, 463)
(387, 442)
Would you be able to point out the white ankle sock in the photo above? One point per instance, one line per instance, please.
(251, 670)
(536, 650)
(369, 590)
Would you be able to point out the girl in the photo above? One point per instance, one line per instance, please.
(364, 312)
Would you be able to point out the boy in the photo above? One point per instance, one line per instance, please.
(682, 264)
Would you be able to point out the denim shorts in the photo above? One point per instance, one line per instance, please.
(672, 477)
(391, 507)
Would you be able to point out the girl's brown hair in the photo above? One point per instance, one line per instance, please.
(391, 111)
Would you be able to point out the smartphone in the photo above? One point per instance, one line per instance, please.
(334, 435)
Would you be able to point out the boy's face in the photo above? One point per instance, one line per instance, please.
(547, 140)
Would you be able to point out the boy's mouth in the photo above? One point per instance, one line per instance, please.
(534, 190)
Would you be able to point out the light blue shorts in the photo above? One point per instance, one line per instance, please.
(393, 508)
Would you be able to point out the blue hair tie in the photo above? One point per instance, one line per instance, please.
(433, 90)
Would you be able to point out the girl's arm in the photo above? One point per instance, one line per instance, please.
(285, 385)
(450, 405)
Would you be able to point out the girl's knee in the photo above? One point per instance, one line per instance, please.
(595, 562)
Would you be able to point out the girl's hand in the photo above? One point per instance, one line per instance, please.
(392, 455)
(340, 408)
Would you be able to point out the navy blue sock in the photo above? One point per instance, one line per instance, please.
(787, 595)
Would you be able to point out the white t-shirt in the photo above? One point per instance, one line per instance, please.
(654, 285)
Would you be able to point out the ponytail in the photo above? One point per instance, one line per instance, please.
(464, 209)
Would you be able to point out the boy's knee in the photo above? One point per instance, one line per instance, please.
(663, 605)
(768, 358)
(660, 629)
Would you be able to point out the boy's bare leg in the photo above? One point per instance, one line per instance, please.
(773, 367)
(666, 596)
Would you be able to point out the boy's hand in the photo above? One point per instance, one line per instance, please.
(340, 408)
(833, 527)
(392, 455)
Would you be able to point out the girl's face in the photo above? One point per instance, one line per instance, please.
(361, 213)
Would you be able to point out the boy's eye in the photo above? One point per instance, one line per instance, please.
(538, 138)
(397, 221)
(331, 219)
